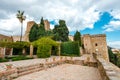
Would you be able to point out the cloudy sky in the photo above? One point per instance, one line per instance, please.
(87, 16)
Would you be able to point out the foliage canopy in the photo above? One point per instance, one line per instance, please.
(61, 32)
(77, 37)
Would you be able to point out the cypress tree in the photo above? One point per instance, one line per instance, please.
(77, 37)
(33, 33)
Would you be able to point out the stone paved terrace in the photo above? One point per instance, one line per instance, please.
(35, 67)
(64, 72)
(24, 66)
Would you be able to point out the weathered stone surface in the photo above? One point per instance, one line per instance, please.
(64, 72)
(108, 70)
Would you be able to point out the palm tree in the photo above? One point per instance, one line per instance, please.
(21, 17)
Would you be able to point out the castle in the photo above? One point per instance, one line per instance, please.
(91, 43)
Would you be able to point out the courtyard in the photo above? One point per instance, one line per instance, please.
(64, 72)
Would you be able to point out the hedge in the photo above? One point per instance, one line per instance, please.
(70, 48)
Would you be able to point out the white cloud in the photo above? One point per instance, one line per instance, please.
(114, 44)
(77, 14)
(12, 26)
(112, 26)
(115, 13)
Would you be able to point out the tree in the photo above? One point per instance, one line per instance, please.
(118, 59)
(21, 17)
(38, 31)
(41, 29)
(77, 37)
(33, 33)
(61, 31)
(112, 56)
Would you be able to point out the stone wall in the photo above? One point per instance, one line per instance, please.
(29, 26)
(47, 25)
(108, 70)
(6, 38)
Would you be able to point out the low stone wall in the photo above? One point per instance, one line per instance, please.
(108, 70)
(102, 71)
(8, 74)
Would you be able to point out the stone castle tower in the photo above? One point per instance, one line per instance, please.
(29, 26)
(96, 44)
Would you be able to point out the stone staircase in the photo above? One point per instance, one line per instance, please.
(29, 69)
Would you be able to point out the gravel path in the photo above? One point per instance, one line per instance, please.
(64, 72)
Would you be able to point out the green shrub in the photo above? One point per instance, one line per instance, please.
(70, 48)
(20, 58)
(112, 57)
(118, 59)
(3, 60)
(43, 51)
(44, 46)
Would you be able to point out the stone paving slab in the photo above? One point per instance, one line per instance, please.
(64, 72)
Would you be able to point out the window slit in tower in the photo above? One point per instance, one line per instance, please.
(96, 44)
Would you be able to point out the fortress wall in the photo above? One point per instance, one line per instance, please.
(29, 26)
(87, 43)
(100, 45)
(96, 44)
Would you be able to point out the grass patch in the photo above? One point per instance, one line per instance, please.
(17, 58)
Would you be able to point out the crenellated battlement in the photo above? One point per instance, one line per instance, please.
(96, 35)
